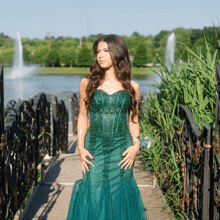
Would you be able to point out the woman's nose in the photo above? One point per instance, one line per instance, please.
(100, 56)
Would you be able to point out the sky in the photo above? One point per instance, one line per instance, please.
(35, 19)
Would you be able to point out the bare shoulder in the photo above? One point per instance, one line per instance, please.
(84, 82)
(136, 86)
(82, 94)
(83, 85)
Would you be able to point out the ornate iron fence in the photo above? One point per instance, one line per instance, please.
(196, 168)
(1, 99)
(199, 162)
(26, 138)
(216, 150)
(195, 165)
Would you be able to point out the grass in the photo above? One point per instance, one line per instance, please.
(84, 70)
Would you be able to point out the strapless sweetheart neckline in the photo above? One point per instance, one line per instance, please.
(112, 93)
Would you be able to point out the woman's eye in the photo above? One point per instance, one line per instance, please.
(106, 50)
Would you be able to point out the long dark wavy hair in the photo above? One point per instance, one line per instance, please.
(119, 54)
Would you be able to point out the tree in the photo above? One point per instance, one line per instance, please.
(140, 57)
(94, 37)
(135, 33)
(85, 57)
(48, 35)
(150, 51)
(26, 54)
(159, 36)
(200, 45)
(68, 56)
(3, 37)
(195, 35)
(40, 54)
(6, 56)
(53, 57)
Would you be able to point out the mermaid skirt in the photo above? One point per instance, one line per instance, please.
(106, 192)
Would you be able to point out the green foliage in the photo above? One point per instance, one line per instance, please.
(53, 57)
(27, 53)
(159, 36)
(68, 56)
(85, 57)
(29, 42)
(140, 57)
(8, 43)
(181, 41)
(135, 34)
(6, 55)
(200, 44)
(94, 37)
(192, 84)
(195, 35)
(40, 54)
(70, 43)
(3, 38)
(193, 38)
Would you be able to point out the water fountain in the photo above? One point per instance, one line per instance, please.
(19, 70)
(170, 47)
(19, 73)
(155, 79)
(169, 59)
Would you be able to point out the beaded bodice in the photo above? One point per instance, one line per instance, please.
(108, 113)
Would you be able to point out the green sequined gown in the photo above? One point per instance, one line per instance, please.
(107, 192)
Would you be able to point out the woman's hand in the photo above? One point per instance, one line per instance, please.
(83, 154)
(131, 154)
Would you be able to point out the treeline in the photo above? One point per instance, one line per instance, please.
(69, 51)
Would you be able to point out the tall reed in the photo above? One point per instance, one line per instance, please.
(192, 84)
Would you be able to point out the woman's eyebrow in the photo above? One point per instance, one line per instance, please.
(103, 49)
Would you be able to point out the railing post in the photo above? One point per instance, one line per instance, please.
(54, 118)
(2, 182)
(216, 179)
(1, 99)
(207, 211)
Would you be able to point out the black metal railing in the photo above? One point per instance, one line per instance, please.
(194, 157)
(196, 168)
(199, 162)
(26, 134)
(216, 150)
(1, 99)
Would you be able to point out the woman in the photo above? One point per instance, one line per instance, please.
(108, 147)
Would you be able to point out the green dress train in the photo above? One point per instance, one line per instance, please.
(107, 192)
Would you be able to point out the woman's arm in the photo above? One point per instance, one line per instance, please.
(82, 126)
(135, 128)
(82, 123)
(132, 151)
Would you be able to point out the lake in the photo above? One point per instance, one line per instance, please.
(60, 85)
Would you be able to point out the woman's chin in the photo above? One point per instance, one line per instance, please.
(105, 67)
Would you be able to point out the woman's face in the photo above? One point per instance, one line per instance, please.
(103, 56)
